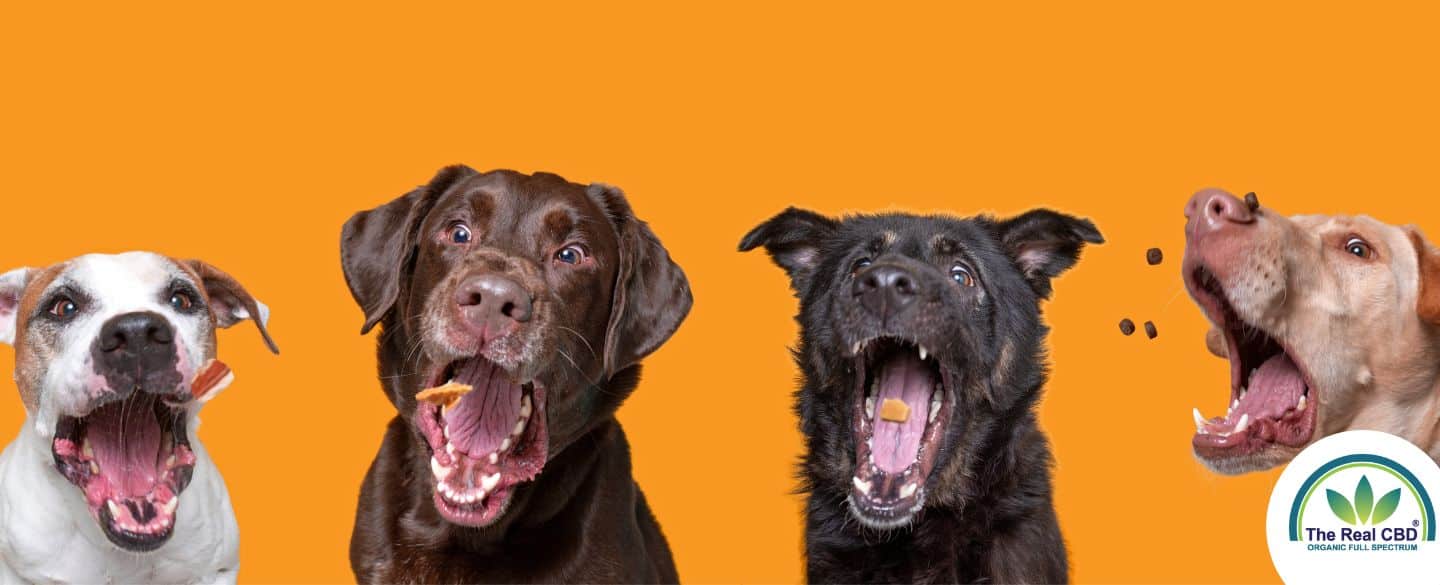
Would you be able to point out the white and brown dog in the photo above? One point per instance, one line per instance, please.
(107, 466)
(1329, 323)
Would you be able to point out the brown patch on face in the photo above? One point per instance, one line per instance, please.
(32, 349)
(1428, 302)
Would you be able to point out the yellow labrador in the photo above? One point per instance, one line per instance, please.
(1330, 323)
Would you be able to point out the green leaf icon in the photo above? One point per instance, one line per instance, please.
(1386, 506)
(1364, 500)
(1341, 507)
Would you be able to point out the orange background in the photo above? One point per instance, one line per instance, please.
(246, 136)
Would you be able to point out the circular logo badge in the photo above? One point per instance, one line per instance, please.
(1356, 507)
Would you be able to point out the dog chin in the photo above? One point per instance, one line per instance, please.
(486, 445)
(1266, 458)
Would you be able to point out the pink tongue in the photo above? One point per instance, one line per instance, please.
(126, 439)
(1274, 388)
(896, 445)
(486, 416)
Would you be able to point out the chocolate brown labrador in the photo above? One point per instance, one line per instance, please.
(542, 296)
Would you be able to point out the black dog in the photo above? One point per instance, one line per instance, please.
(922, 352)
(543, 296)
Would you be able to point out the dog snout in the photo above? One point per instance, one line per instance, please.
(886, 290)
(493, 303)
(1213, 210)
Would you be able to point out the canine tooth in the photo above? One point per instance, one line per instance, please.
(170, 461)
(1301, 404)
(489, 482)
(114, 508)
(934, 407)
(441, 472)
(85, 449)
(909, 489)
(505, 445)
(923, 353)
(862, 485)
(494, 458)
(855, 348)
(525, 406)
(869, 406)
(1244, 422)
(450, 448)
(1199, 419)
(94, 467)
(170, 506)
(519, 428)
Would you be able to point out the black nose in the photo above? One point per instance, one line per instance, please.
(886, 290)
(136, 333)
(493, 302)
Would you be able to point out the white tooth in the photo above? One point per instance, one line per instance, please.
(923, 353)
(505, 445)
(1244, 422)
(869, 406)
(519, 428)
(862, 485)
(909, 490)
(170, 506)
(1199, 419)
(94, 467)
(450, 448)
(855, 348)
(494, 458)
(114, 509)
(1301, 404)
(86, 450)
(935, 403)
(441, 472)
(489, 482)
(170, 461)
(525, 406)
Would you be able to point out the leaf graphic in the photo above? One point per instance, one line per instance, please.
(1386, 506)
(1341, 507)
(1364, 500)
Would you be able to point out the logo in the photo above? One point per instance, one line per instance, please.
(1356, 507)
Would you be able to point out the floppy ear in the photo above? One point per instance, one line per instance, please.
(793, 240)
(652, 295)
(230, 302)
(376, 245)
(12, 286)
(1427, 303)
(1045, 243)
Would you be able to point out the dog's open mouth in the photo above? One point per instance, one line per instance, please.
(902, 409)
(131, 458)
(488, 442)
(1272, 402)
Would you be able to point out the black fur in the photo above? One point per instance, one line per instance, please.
(987, 513)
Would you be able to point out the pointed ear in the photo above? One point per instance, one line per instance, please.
(652, 295)
(1045, 243)
(12, 287)
(377, 245)
(793, 239)
(1427, 303)
(229, 302)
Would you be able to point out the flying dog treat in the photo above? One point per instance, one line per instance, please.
(1154, 256)
(1252, 201)
(445, 396)
(894, 410)
(210, 379)
(1127, 326)
(1150, 330)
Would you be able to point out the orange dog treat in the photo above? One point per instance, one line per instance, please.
(446, 395)
(212, 377)
(894, 410)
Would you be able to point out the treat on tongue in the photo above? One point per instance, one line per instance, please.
(212, 377)
(908, 380)
(894, 410)
(445, 396)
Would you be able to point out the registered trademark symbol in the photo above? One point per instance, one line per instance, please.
(1414, 522)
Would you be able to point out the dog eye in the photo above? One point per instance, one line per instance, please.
(460, 233)
(181, 301)
(858, 265)
(1358, 247)
(64, 308)
(572, 254)
(962, 275)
